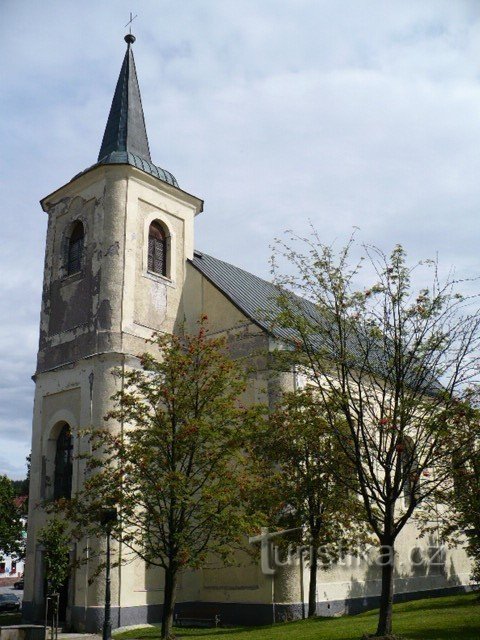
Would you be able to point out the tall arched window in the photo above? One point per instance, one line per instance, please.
(62, 487)
(157, 249)
(75, 249)
(410, 468)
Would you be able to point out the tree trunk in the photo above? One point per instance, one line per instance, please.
(312, 588)
(169, 602)
(386, 599)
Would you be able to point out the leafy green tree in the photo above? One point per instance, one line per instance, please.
(55, 539)
(301, 458)
(11, 526)
(22, 488)
(392, 361)
(455, 505)
(175, 471)
(465, 505)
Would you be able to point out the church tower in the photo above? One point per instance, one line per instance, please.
(118, 240)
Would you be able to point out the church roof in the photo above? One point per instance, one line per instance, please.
(125, 139)
(253, 296)
(257, 299)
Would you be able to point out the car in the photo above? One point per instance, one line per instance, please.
(18, 584)
(9, 602)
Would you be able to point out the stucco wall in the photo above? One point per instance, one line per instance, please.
(98, 320)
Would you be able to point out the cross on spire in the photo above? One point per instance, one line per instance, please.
(129, 23)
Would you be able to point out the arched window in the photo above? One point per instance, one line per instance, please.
(410, 468)
(157, 249)
(75, 249)
(62, 487)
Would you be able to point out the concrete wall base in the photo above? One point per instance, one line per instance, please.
(23, 632)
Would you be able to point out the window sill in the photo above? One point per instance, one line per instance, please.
(74, 277)
(157, 277)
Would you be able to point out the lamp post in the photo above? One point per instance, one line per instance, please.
(107, 520)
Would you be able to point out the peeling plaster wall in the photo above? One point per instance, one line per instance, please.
(91, 323)
(113, 304)
(79, 316)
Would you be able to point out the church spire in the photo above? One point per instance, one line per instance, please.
(125, 139)
(125, 131)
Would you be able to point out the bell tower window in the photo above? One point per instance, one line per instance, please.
(75, 249)
(62, 487)
(157, 249)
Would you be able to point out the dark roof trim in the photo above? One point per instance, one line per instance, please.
(126, 157)
(99, 165)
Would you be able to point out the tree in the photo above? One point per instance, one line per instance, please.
(22, 488)
(176, 471)
(390, 362)
(55, 539)
(301, 457)
(11, 526)
(459, 517)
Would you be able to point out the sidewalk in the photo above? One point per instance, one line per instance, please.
(78, 636)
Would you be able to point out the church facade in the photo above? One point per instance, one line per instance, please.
(120, 263)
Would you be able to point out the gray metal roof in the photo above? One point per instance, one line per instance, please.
(125, 139)
(255, 297)
(125, 157)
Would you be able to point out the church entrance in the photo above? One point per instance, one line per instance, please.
(61, 600)
(63, 603)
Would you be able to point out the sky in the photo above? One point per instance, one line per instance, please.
(278, 113)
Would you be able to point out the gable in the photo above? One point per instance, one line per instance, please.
(253, 297)
(204, 297)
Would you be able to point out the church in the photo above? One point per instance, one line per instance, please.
(120, 264)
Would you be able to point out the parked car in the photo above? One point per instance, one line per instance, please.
(9, 602)
(18, 584)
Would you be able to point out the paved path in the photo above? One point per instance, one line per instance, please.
(79, 636)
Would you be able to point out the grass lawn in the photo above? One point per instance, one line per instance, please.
(452, 618)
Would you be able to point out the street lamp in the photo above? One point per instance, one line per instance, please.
(107, 520)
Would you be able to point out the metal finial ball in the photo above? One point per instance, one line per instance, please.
(129, 38)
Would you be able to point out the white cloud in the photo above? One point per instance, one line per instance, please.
(355, 113)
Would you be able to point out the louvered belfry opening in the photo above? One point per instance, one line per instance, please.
(157, 249)
(75, 249)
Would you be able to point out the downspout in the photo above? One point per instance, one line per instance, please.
(91, 379)
(119, 569)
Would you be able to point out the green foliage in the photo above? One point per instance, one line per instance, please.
(22, 488)
(465, 497)
(301, 459)
(55, 539)
(176, 470)
(11, 527)
(392, 361)
(171, 460)
(459, 515)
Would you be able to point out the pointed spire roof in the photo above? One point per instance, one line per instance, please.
(125, 130)
(125, 139)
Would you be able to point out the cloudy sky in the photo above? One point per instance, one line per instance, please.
(355, 113)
